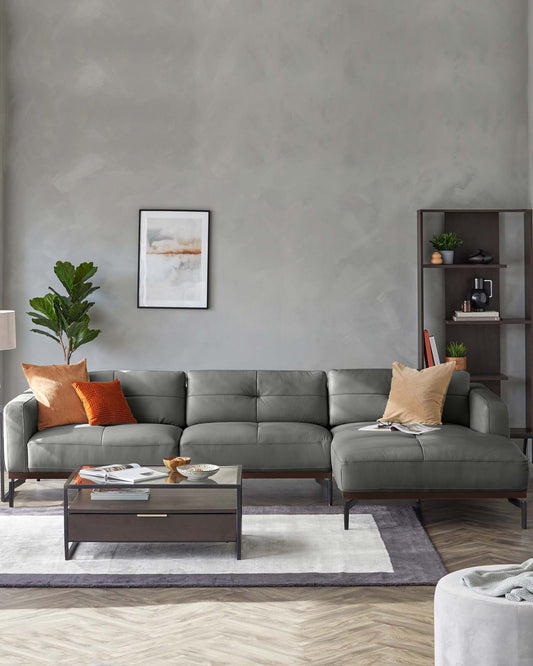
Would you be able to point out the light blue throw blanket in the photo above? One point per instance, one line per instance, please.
(514, 581)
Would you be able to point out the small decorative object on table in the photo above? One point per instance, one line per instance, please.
(199, 471)
(436, 258)
(480, 257)
(173, 463)
(446, 244)
(457, 352)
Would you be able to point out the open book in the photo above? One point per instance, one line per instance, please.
(408, 428)
(130, 473)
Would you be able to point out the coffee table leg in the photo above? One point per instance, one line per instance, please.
(69, 550)
(238, 544)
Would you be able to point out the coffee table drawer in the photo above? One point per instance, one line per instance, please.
(152, 527)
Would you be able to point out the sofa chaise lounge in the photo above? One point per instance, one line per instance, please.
(295, 424)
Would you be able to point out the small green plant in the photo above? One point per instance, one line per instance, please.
(456, 350)
(66, 318)
(445, 242)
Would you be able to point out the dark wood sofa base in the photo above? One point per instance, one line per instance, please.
(16, 479)
(517, 498)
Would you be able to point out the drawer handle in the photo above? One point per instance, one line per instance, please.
(151, 515)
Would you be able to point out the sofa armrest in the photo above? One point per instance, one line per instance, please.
(20, 422)
(488, 412)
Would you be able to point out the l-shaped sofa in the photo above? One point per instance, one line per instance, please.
(285, 424)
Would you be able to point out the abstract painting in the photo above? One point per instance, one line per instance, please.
(173, 258)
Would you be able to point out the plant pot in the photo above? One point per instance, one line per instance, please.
(460, 361)
(447, 256)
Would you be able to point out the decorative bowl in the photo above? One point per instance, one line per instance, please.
(199, 471)
(174, 463)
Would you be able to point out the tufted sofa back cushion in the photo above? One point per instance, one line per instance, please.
(154, 396)
(361, 395)
(257, 396)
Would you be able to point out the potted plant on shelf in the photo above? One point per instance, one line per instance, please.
(446, 244)
(457, 352)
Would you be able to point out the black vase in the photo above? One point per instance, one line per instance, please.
(479, 295)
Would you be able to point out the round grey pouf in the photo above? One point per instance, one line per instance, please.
(472, 629)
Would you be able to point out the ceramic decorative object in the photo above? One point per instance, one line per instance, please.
(460, 361)
(173, 463)
(480, 257)
(479, 295)
(199, 471)
(447, 256)
(436, 258)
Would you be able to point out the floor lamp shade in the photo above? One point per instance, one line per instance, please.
(7, 329)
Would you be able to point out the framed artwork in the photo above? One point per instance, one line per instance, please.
(173, 258)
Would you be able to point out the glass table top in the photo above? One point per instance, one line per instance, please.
(226, 476)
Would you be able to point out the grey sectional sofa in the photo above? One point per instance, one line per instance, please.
(285, 424)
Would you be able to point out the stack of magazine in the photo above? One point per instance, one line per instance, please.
(487, 315)
(120, 494)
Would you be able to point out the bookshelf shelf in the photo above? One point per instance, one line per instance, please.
(501, 322)
(468, 266)
(446, 293)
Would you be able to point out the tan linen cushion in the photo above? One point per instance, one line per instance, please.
(418, 395)
(59, 403)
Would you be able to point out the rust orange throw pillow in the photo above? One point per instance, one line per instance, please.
(104, 402)
(52, 387)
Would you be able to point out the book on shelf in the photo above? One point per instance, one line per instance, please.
(427, 348)
(488, 315)
(434, 350)
(130, 473)
(120, 494)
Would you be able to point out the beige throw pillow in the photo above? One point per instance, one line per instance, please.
(418, 395)
(59, 403)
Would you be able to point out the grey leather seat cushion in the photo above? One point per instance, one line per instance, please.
(259, 446)
(453, 458)
(65, 447)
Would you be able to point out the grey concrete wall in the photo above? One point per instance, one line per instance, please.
(313, 129)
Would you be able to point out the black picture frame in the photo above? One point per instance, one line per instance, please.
(144, 300)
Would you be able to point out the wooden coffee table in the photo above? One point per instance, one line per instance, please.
(178, 510)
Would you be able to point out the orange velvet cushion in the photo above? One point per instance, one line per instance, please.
(52, 387)
(104, 402)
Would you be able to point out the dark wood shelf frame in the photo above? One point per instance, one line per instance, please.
(482, 338)
(470, 266)
(500, 322)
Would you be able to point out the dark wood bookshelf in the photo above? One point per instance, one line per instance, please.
(478, 228)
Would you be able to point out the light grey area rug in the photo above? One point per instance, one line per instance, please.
(282, 546)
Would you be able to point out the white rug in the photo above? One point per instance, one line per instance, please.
(279, 546)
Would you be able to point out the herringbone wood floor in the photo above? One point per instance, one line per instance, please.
(323, 626)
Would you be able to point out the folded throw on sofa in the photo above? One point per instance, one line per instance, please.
(514, 581)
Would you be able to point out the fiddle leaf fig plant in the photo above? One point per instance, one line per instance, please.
(65, 318)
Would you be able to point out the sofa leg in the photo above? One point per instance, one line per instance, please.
(11, 493)
(347, 506)
(330, 491)
(522, 505)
